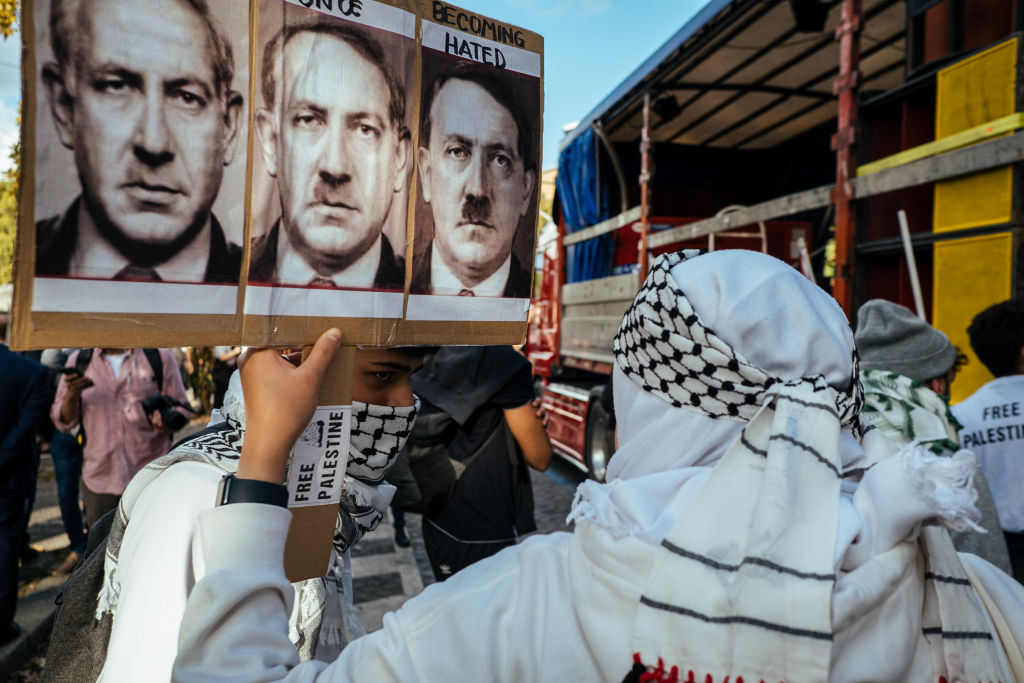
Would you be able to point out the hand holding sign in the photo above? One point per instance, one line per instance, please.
(279, 402)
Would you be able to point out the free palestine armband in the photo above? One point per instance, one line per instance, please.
(235, 490)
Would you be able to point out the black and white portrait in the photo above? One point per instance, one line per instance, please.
(334, 160)
(140, 138)
(477, 162)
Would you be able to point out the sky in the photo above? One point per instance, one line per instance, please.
(590, 47)
(10, 95)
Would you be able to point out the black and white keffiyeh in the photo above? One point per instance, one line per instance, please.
(664, 346)
(746, 582)
(378, 434)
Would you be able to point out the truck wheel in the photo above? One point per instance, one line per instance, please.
(600, 442)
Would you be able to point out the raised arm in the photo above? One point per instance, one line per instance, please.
(279, 403)
(235, 626)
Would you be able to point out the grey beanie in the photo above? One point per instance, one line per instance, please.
(892, 337)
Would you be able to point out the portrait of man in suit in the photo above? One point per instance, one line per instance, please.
(478, 172)
(333, 136)
(141, 94)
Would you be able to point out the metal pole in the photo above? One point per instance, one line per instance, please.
(645, 190)
(805, 260)
(845, 86)
(908, 251)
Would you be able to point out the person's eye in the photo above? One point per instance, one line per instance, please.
(368, 131)
(502, 161)
(189, 100)
(111, 85)
(384, 376)
(457, 152)
(306, 119)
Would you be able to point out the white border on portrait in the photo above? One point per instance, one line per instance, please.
(74, 295)
(517, 59)
(262, 299)
(374, 14)
(453, 308)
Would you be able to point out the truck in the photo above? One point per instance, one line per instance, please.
(807, 129)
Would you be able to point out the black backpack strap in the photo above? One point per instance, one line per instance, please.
(156, 361)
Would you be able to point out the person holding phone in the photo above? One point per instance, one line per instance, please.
(66, 452)
(105, 399)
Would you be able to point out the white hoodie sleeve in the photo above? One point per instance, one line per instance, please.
(235, 626)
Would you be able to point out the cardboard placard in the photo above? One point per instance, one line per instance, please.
(254, 172)
(259, 171)
(307, 550)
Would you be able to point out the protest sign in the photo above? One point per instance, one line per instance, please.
(254, 172)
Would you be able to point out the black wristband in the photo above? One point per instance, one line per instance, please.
(235, 490)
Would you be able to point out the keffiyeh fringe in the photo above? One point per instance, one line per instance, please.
(948, 482)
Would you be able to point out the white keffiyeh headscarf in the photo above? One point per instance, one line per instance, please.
(781, 532)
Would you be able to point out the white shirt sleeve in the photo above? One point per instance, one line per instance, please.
(235, 626)
(156, 572)
(491, 621)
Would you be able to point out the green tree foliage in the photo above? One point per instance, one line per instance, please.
(9, 211)
(8, 222)
(8, 17)
(9, 180)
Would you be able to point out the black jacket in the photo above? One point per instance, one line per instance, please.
(263, 261)
(517, 286)
(26, 392)
(57, 239)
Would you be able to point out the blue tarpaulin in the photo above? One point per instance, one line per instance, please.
(582, 207)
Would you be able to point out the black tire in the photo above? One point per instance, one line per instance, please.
(599, 445)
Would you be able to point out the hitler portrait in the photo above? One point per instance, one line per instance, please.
(477, 162)
(334, 147)
(141, 105)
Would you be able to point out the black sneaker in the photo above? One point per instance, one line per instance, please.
(401, 540)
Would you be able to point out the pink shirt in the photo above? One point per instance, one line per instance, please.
(120, 440)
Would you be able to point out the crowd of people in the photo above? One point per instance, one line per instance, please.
(790, 499)
(102, 414)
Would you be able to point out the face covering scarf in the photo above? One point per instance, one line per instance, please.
(377, 436)
(744, 582)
